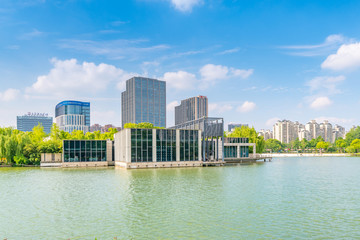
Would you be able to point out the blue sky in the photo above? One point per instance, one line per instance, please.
(256, 61)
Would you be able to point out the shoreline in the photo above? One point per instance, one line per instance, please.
(307, 155)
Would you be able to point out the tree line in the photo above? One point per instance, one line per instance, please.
(25, 148)
(351, 144)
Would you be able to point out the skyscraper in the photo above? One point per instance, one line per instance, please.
(144, 100)
(73, 115)
(27, 122)
(191, 109)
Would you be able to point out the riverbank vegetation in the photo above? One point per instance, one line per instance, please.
(24, 148)
(351, 144)
(247, 132)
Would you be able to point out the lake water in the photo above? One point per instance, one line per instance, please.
(298, 198)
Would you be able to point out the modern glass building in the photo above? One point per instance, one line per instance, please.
(144, 100)
(157, 148)
(233, 148)
(191, 109)
(73, 115)
(27, 122)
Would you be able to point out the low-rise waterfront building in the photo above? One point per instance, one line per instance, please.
(149, 148)
(81, 153)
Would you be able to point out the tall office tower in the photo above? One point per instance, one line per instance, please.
(284, 131)
(27, 122)
(326, 131)
(313, 128)
(232, 126)
(73, 115)
(191, 109)
(144, 100)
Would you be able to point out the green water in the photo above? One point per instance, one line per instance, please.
(290, 198)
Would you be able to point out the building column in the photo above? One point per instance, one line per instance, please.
(238, 151)
(154, 145)
(199, 144)
(177, 145)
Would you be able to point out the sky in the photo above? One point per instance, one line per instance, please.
(256, 61)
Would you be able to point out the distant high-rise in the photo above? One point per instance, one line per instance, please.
(27, 122)
(144, 100)
(232, 126)
(191, 109)
(73, 115)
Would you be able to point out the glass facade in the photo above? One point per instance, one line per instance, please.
(160, 145)
(27, 123)
(84, 150)
(165, 145)
(144, 101)
(73, 115)
(231, 151)
(189, 145)
(236, 140)
(141, 145)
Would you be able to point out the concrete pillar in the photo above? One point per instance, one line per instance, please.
(238, 151)
(154, 145)
(177, 145)
(199, 144)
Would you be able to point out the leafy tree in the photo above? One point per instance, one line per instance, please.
(353, 134)
(340, 144)
(273, 144)
(247, 132)
(354, 146)
(322, 146)
(304, 144)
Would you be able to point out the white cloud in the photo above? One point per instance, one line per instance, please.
(346, 57)
(211, 73)
(270, 122)
(219, 108)
(330, 84)
(229, 51)
(9, 95)
(30, 35)
(321, 102)
(242, 73)
(336, 120)
(331, 43)
(114, 49)
(246, 107)
(68, 78)
(180, 80)
(170, 107)
(104, 117)
(185, 5)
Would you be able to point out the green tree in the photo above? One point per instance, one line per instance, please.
(340, 144)
(353, 134)
(322, 146)
(247, 132)
(273, 144)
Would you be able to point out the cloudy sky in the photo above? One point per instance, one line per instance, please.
(256, 61)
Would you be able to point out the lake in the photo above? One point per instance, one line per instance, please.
(298, 198)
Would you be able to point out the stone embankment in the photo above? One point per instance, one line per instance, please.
(305, 155)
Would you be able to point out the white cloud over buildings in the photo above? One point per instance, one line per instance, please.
(347, 57)
(9, 94)
(320, 102)
(246, 107)
(68, 77)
